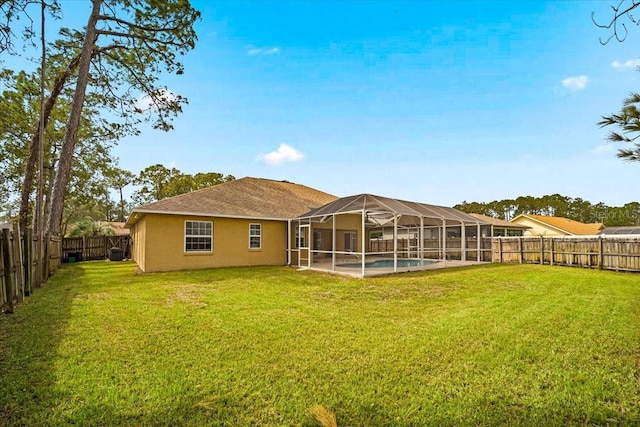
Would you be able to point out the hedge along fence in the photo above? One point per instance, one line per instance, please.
(20, 268)
(620, 253)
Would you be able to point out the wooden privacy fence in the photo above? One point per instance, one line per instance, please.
(433, 248)
(20, 267)
(87, 248)
(602, 252)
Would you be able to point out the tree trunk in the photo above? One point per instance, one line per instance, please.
(122, 218)
(71, 133)
(30, 168)
(47, 199)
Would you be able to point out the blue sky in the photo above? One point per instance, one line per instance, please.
(431, 101)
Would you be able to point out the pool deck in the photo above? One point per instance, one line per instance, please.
(325, 266)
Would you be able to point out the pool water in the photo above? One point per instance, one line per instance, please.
(388, 263)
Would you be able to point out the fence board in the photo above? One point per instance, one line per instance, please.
(3, 280)
(432, 248)
(20, 268)
(93, 247)
(603, 252)
(55, 253)
(7, 257)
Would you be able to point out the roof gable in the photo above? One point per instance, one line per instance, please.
(245, 197)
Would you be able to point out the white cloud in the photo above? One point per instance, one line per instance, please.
(575, 83)
(253, 51)
(163, 97)
(284, 153)
(628, 64)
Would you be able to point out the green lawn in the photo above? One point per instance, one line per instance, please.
(489, 345)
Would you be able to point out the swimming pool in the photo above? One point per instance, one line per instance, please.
(388, 263)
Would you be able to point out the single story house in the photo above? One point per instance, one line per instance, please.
(238, 223)
(500, 227)
(253, 221)
(540, 225)
(118, 228)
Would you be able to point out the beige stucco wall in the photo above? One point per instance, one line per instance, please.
(138, 232)
(344, 223)
(162, 238)
(538, 229)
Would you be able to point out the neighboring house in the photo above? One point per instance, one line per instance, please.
(622, 230)
(238, 223)
(541, 225)
(500, 227)
(118, 228)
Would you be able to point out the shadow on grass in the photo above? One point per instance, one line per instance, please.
(28, 342)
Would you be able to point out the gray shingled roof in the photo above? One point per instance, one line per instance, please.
(244, 198)
(621, 230)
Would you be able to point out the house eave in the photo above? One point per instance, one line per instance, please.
(137, 214)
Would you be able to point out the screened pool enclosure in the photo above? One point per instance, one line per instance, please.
(366, 235)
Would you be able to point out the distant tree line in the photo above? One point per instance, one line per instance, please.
(159, 182)
(576, 209)
(91, 201)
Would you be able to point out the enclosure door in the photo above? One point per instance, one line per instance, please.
(302, 237)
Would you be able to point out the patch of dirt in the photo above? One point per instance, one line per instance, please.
(191, 294)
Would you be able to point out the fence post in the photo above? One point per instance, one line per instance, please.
(17, 259)
(3, 268)
(36, 259)
(601, 253)
(45, 258)
(552, 255)
(8, 264)
(520, 245)
(541, 250)
(500, 249)
(26, 259)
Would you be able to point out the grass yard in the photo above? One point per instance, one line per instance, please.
(490, 345)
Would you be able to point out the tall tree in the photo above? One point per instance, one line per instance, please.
(71, 133)
(18, 112)
(132, 41)
(118, 179)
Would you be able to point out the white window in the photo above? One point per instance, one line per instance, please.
(255, 236)
(198, 236)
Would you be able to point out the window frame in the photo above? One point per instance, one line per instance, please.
(299, 239)
(253, 236)
(197, 236)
